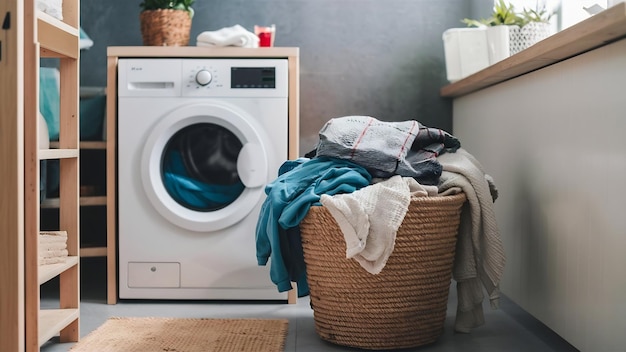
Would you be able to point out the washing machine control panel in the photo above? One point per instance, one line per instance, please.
(203, 77)
(234, 77)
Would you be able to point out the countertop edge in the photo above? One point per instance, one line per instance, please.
(191, 51)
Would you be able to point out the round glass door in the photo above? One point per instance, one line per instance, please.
(199, 168)
(204, 167)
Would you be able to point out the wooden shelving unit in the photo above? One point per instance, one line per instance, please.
(87, 201)
(46, 36)
(11, 178)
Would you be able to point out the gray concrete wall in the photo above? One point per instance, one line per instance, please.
(358, 57)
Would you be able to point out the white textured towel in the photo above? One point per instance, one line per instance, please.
(53, 8)
(228, 36)
(53, 253)
(53, 260)
(48, 246)
(370, 217)
(62, 234)
(52, 237)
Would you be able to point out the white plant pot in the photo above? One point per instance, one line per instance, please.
(465, 52)
(498, 42)
(527, 36)
(469, 50)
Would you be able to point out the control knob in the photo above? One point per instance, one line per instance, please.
(203, 77)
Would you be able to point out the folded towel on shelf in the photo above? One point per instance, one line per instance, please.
(60, 234)
(51, 246)
(53, 253)
(53, 8)
(52, 237)
(53, 260)
(228, 36)
(369, 218)
(44, 237)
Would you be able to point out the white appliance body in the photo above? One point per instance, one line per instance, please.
(198, 140)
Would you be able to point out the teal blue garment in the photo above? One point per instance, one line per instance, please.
(49, 99)
(92, 111)
(85, 42)
(288, 200)
(193, 193)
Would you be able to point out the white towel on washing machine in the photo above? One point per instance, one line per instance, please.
(228, 36)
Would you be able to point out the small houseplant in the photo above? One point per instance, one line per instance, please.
(166, 22)
(524, 28)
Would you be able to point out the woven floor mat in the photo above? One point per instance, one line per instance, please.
(185, 335)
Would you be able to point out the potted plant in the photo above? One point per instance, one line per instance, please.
(523, 29)
(488, 41)
(166, 22)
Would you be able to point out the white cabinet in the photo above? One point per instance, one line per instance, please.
(552, 138)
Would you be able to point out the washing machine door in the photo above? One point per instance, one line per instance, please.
(204, 166)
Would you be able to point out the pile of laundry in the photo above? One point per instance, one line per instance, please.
(365, 172)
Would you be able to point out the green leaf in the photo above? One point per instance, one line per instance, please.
(505, 14)
(168, 4)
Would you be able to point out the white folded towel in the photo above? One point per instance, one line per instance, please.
(53, 260)
(47, 246)
(53, 8)
(62, 234)
(228, 36)
(52, 237)
(57, 253)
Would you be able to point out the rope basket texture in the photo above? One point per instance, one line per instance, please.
(165, 27)
(405, 304)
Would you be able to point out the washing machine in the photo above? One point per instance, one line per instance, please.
(198, 141)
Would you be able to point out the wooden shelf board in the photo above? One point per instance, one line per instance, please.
(91, 201)
(196, 51)
(83, 145)
(600, 29)
(52, 321)
(87, 252)
(93, 145)
(49, 271)
(56, 38)
(57, 153)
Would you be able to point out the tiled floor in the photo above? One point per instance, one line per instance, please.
(508, 329)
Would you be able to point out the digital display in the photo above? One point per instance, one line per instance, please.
(253, 77)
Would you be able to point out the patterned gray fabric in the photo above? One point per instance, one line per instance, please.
(385, 149)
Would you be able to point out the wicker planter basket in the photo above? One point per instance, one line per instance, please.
(165, 27)
(405, 304)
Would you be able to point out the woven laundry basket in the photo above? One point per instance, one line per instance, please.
(405, 304)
